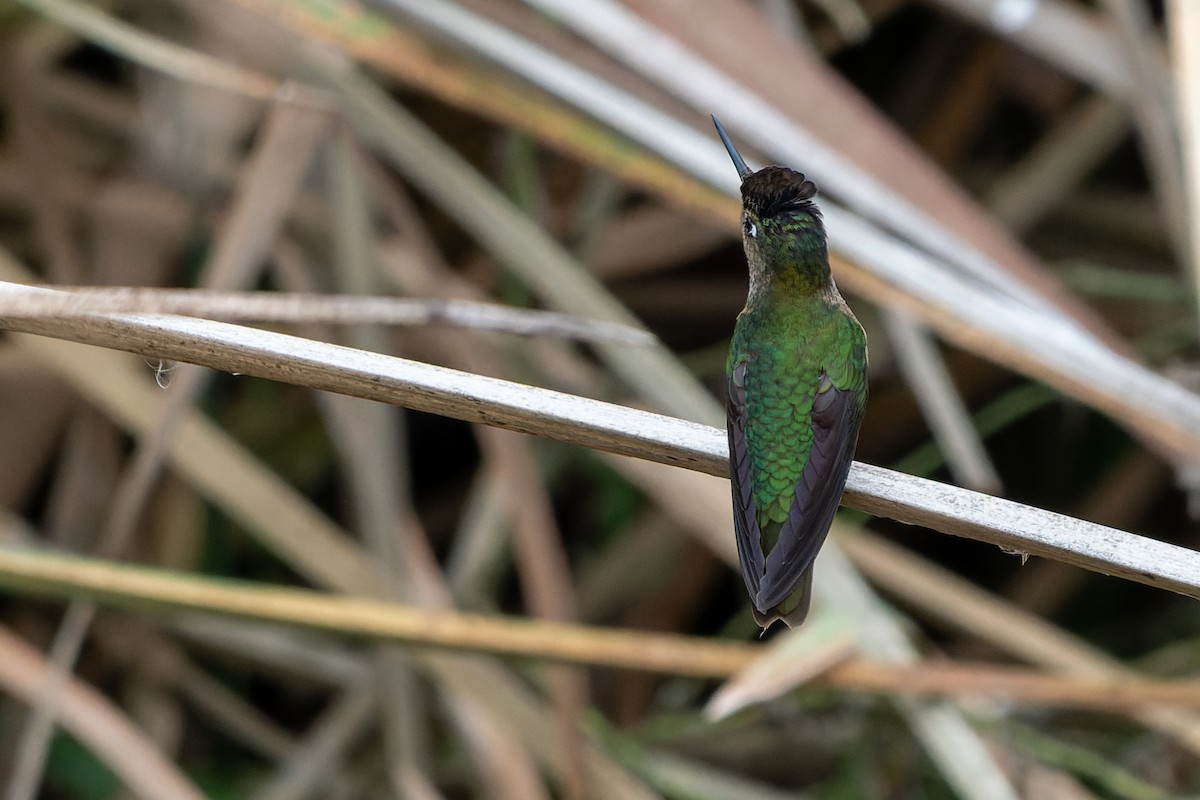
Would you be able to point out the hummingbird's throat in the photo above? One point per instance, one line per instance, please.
(789, 282)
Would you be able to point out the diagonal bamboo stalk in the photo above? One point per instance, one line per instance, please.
(617, 429)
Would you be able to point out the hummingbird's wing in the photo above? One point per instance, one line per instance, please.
(836, 417)
(745, 512)
(772, 576)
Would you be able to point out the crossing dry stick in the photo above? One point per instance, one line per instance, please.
(616, 429)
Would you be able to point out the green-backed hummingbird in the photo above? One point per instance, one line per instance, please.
(797, 384)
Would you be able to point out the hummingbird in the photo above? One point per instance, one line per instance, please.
(797, 389)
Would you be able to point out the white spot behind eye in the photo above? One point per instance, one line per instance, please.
(751, 229)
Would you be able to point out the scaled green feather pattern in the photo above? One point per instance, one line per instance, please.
(789, 358)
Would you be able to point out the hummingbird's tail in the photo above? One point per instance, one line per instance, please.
(794, 608)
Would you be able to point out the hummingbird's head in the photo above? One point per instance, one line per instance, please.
(781, 225)
(778, 200)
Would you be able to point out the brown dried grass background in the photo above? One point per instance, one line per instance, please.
(1009, 210)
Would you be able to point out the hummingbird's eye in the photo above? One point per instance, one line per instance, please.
(750, 228)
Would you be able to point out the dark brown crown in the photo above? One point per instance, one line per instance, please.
(774, 191)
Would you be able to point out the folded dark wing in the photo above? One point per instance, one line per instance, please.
(745, 514)
(836, 417)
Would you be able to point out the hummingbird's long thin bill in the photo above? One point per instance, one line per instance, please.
(738, 161)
